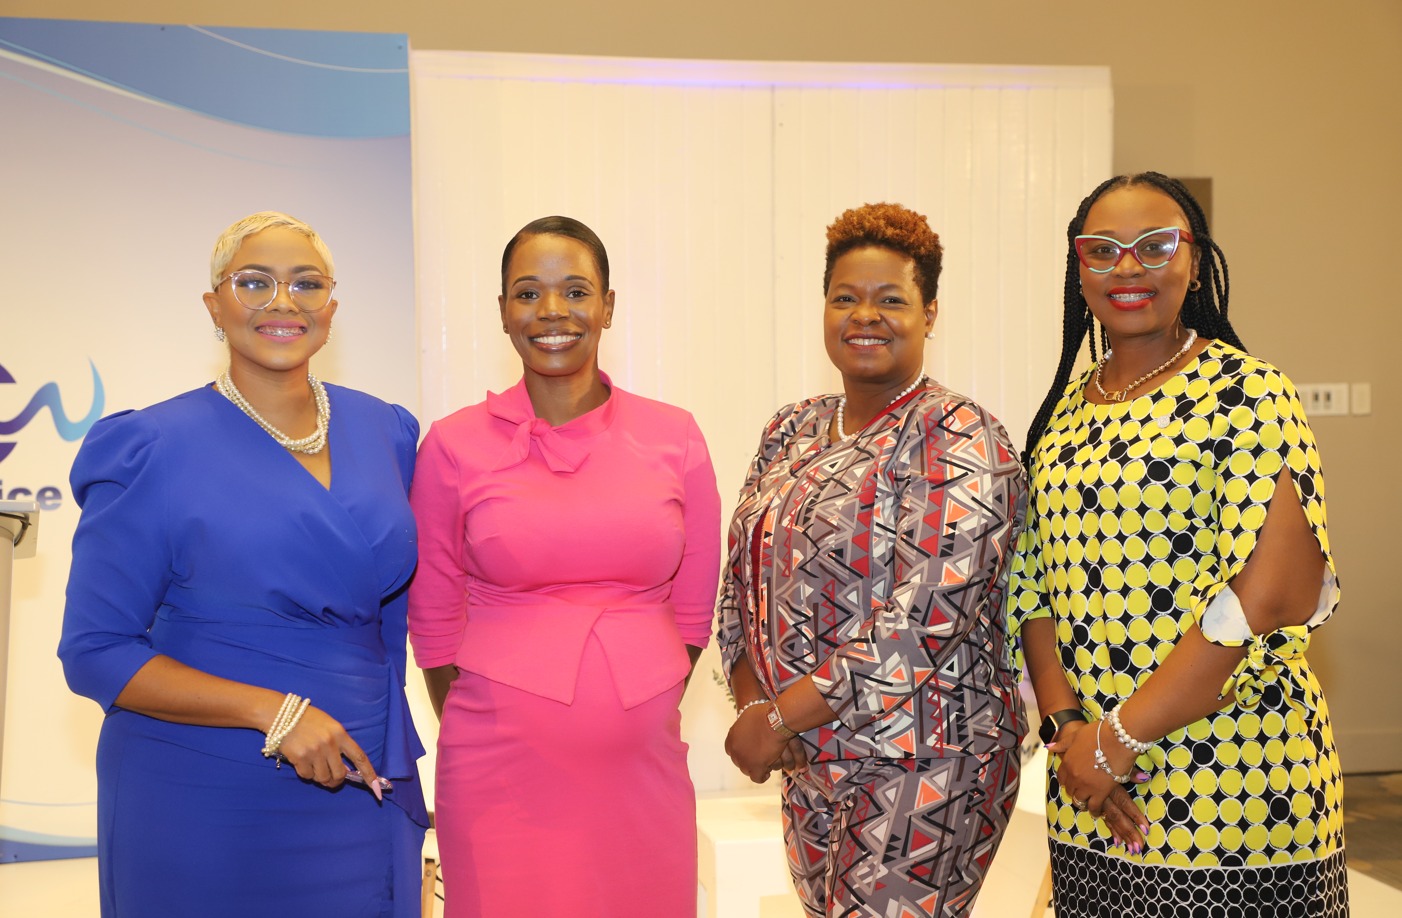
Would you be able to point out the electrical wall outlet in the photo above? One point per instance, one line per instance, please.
(1360, 398)
(1324, 398)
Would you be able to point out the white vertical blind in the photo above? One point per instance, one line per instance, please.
(712, 183)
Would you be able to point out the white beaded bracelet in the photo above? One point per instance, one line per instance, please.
(1123, 735)
(273, 738)
(293, 707)
(749, 704)
(289, 702)
(1103, 763)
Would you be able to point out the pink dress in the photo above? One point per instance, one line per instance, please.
(563, 570)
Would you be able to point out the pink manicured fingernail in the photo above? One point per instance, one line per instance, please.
(375, 789)
(1141, 777)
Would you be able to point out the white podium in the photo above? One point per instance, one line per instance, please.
(19, 533)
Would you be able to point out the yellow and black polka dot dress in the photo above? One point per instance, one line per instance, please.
(1141, 513)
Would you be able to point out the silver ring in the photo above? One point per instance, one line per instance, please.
(1080, 805)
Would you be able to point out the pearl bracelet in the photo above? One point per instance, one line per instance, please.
(1103, 763)
(749, 704)
(1123, 735)
(273, 739)
(293, 707)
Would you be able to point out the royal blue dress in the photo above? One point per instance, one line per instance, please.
(204, 540)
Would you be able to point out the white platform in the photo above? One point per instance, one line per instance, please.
(740, 853)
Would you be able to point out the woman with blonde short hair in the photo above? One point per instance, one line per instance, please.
(235, 607)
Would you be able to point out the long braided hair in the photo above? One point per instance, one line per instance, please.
(1204, 309)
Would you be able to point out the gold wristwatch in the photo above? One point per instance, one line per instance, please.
(776, 722)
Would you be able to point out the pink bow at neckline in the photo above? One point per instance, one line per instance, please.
(561, 454)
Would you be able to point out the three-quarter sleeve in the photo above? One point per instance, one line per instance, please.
(1252, 441)
(730, 631)
(438, 595)
(694, 584)
(122, 556)
(959, 494)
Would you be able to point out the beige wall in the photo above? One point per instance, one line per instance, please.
(1292, 108)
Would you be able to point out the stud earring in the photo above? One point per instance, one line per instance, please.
(1195, 285)
(219, 334)
(929, 336)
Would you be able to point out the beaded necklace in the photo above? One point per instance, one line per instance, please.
(1118, 395)
(309, 445)
(842, 405)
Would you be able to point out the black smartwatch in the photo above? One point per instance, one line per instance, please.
(1052, 723)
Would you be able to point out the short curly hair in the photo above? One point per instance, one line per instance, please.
(888, 226)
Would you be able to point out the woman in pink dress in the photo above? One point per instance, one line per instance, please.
(569, 552)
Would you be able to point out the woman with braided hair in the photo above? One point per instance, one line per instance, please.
(1174, 562)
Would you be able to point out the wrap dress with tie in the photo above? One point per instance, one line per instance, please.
(203, 540)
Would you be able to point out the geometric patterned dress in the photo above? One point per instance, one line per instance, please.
(877, 565)
(1141, 514)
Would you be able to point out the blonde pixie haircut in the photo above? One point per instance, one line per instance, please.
(229, 241)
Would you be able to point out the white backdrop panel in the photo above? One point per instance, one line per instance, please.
(712, 183)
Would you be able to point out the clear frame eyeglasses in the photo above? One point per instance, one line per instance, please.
(258, 289)
(1154, 249)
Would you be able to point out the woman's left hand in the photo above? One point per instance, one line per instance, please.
(753, 746)
(794, 759)
(1096, 792)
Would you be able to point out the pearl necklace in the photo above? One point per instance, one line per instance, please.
(842, 406)
(309, 445)
(1118, 395)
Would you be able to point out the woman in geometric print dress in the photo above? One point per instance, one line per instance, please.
(1174, 563)
(862, 605)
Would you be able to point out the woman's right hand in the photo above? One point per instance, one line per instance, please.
(318, 748)
(439, 679)
(1092, 790)
(753, 746)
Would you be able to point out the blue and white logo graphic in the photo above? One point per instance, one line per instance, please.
(49, 397)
